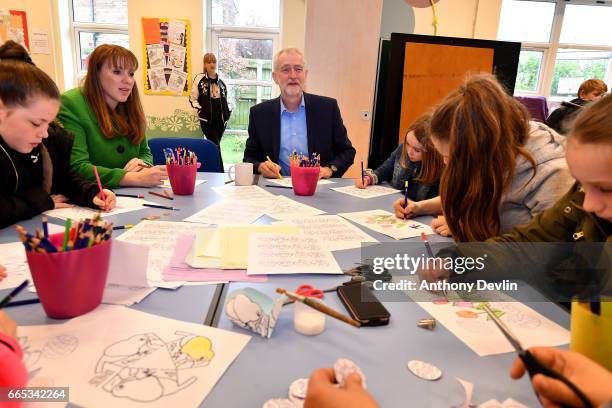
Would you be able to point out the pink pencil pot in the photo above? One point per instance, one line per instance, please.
(70, 283)
(304, 180)
(182, 178)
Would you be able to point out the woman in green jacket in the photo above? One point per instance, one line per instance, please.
(107, 120)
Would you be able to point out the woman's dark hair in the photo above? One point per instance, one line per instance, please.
(20, 82)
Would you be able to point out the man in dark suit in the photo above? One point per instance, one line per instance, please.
(297, 121)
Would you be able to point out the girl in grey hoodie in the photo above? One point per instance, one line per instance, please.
(501, 169)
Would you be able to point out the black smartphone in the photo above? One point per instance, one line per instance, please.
(362, 305)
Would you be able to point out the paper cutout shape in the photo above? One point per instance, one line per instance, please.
(253, 310)
(150, 29)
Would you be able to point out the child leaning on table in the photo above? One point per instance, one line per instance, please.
(416, 161)
(34, 151)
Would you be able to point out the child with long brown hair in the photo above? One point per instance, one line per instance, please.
(501, 169)
(108, 122)
(416, 161)
(34, 151)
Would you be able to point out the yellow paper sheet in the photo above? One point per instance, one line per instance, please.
(235, 242)
(196, 257)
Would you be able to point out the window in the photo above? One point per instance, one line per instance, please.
(97, 22)
(564, 42)
(244, 36)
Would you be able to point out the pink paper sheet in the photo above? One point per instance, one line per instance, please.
(178, 270)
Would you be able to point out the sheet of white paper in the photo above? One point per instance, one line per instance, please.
(168, 185)
(283, 208)
(39, 40)
(242, 193)
(286, 181)
(125, 295)
(386, 223)
(273, 254)
(370, 192)
(122, 357)
(124, 204)
(128, 264)
(227, 212)
(160, 237)
(333, 231)
(13, 258)
(472, 325)
(157, 78)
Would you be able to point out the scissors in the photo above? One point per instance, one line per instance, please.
(532, 365)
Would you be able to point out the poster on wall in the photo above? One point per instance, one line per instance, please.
(166, 50)
(14, 26)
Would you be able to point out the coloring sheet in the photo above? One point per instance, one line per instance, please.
(176, 82)
(124, 204)
(274, 254)
(155, 52)
(286, 181)
(369, 192)
(13, 258)
(176, 57)
(176, 31)
(122, 357)
(284, 208)
(333, 231)
(471, 324)
(386, 223)
(243, 193)
(157, 79)
(228, 212)
(168, 185)
(160, 237)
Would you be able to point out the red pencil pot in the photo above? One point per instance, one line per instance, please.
(182, 178)
(304, 180)
(70, 283)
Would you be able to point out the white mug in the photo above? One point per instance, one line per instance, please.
(243, 173)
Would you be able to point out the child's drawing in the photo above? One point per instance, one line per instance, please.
(387, 223)
(144, 367)
(54, 348)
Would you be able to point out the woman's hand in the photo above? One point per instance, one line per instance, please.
(149, 177)
(135, 164)
(109, 201)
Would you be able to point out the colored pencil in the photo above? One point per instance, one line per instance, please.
(129, 195)
(67, 233)
(13, 293)
(22, 302)
(405, 193)
(95, 170)
(45, 224)
(362, 174)
(277, 186)
(120, 227)
(161, 195)
(164, 207)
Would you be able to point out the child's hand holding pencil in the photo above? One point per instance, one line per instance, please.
(105, 200)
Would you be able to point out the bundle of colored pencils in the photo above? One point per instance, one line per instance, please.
(180, 156)
(302, 160)
(85, 234)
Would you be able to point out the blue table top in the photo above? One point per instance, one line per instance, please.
(266, 367)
